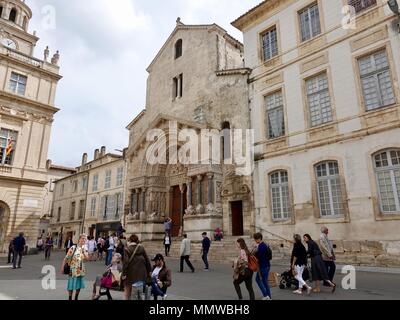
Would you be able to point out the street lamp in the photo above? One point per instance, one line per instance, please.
(394, 6)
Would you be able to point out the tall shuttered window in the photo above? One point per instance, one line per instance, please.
(279, 189)
(310, 24)
(376, 81)
(387, 170)
(270, 44)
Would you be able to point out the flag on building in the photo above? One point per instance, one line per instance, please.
(9, 147)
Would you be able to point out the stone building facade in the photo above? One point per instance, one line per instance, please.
(91, 200)
(27, 97)
(196, 82)
(54, 173)
(324, 100)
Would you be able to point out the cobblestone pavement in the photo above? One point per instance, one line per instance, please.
(26, 283)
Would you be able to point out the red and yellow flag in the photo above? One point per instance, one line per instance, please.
(9, 147)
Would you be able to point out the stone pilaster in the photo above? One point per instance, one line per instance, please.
(200, 207)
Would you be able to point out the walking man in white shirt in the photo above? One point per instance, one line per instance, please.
(185, 253)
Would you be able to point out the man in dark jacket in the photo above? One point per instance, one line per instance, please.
(68, 244)
(206, 244)
(161, 278)
(19, 246)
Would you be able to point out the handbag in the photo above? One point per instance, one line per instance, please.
(107, 280)
(253, 263)
(67, 267)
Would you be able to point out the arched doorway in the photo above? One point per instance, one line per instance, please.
(4, 212)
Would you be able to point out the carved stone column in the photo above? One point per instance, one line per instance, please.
(190, 210)
(210, 202)
(200, 207)
(131, 202)
(182, 189)
(136, 205)
(143, 208)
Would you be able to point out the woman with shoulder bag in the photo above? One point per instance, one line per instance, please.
(242, 272)
(73, 264)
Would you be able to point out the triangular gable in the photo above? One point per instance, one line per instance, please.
(181, 26)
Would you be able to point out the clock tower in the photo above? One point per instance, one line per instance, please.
(27, 108)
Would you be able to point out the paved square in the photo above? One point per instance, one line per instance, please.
(26, 283)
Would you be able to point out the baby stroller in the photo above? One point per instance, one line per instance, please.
(289, 281)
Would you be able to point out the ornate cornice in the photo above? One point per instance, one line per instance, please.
(23, 115)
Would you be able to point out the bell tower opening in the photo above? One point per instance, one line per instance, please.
(13, 15)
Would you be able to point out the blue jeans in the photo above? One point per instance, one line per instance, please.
(263, 281)
(205, 258)
(155, 289)
(109, 257)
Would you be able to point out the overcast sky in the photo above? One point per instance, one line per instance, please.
(105, 47)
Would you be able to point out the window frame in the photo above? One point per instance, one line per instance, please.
(176, 55)
(267, 112)
(82, 209)
(262, 35)
(13, 135)
(391, 169)
(95, 183)
(364, 8)
(107, 180)
(18, 83)
(120, 177)
(72, 211)
(299, 16)
(280, 185)
(389, 68)
(329, 89)
(329, 177)
(93, 206)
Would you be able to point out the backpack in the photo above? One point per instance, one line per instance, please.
(253, 263)
(269, 253)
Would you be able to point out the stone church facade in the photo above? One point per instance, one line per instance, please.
(196, 82)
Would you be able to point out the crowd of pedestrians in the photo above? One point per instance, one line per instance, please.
(129, 268)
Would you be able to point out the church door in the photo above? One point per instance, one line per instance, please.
(177, 210)
(237, 218)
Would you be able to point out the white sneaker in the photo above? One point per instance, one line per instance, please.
(298, 292)
(267, 298)
(164, 297)
(309, 289)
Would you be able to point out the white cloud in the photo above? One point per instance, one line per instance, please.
(105, 47)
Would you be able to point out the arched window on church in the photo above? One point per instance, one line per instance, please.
(178, 49)
(13, 15)
(226, 141)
